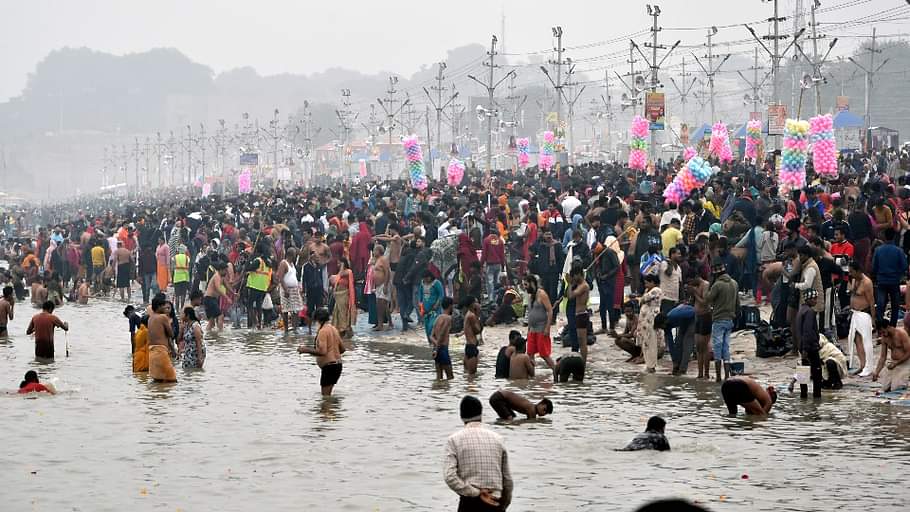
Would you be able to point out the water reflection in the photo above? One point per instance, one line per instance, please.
(254, 420)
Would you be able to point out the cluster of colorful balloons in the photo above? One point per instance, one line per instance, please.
(824, 147)
(546, 159)
(689, 153)
(523, 158)
(414, 155)
(638, 147)
(753, 139)
(693, 175)
(792, 171)
(455, 172)
(720, 142)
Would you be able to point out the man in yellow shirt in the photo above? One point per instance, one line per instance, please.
(99, 260)
(671, 237)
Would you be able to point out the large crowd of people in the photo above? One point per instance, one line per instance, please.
(593, 248)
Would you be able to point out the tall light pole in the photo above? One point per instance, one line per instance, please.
(491, 108)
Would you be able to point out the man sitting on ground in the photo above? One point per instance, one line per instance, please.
(895, 340)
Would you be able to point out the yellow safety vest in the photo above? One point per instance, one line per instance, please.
(260, 278)
(181, 268)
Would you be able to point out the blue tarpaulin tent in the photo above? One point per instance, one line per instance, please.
(847, 119)
(699, 134)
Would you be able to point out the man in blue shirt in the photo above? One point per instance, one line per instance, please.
(889, 265)
(813, 202)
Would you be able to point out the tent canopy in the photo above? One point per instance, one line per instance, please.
(847, 119)
(699, 134)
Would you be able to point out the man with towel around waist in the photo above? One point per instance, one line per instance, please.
(862, 302)
(159, 334)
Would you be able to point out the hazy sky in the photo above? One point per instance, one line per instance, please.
(304, 36)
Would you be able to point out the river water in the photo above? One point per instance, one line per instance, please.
(250, 432)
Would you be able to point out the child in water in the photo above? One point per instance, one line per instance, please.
(31, 384)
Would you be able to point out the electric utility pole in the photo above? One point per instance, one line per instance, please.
(754, 84)
(147, 152)
(571, 99)
(202, 149)
(189, 154)
(490, 112)
(653, 63)
(346, 125)
(685, 89)
(776, 55)
(515, 103)
(608, 110)
(388, 106)
(559, 63)
(136, 160)
(710, 70)
(870, 76)
(817, 78)
(457, 110)
(439, 106)
(158, 147)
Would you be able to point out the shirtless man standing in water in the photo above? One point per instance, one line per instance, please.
(472, 330)
(7, 304)
(212, 299)
(439, 338)
(862, 302)
(580, 292)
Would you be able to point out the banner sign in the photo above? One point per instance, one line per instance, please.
(843, 103)
(655, 109)
(249, 159)
(777, 118)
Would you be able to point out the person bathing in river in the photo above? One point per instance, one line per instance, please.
(507, 403)
(160, 332)
(744, 391)
(504, 357)
(439, 338)
(895, 340)
(521, 367)
(569, 366)
(328, 349)
(472, 333)
(30, 384)
(652, 438)
(7, 306)
(42, 326)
